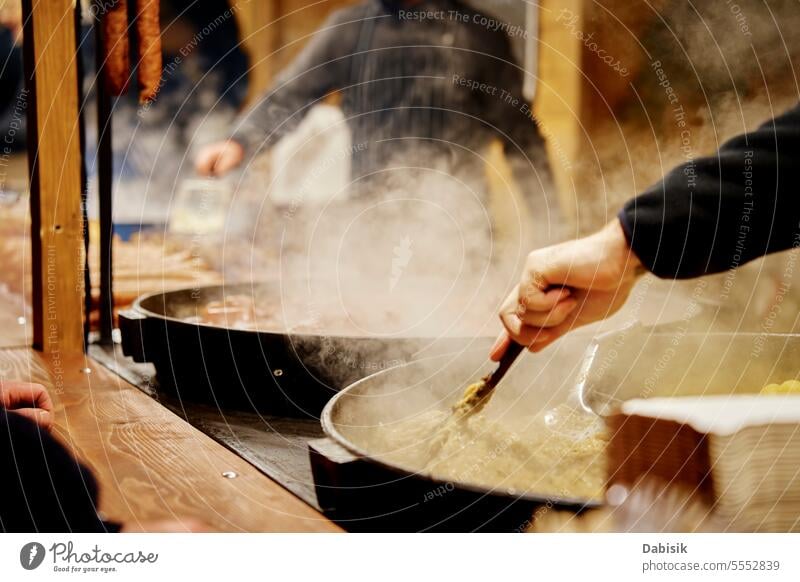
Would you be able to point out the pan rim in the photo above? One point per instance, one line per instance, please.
(149, 313)
(329, 427)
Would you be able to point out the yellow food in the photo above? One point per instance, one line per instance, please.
(788, 387)
(558, 453)
(473, 399)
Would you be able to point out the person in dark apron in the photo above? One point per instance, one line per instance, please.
(422, 84)
(13, 97)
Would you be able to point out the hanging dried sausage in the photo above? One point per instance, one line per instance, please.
(148, 33)
(115, 47)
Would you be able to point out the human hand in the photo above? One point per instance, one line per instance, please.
(11, 18)
(29, 400)
(566, 286)
(219, 158)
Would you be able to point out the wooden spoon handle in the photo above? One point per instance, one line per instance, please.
(508, 359)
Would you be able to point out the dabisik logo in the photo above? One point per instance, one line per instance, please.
(31, 555)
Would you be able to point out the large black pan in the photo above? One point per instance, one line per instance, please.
(271, 371)
(363, 489)
(393, 496)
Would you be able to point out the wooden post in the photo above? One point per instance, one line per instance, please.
(578, 92)
(260, 39)
(54, 161)
(559, 95)
(105, 188)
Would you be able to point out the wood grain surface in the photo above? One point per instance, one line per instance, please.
(151, 465)
(54, 159)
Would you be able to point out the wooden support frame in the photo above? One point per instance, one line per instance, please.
(105, 187)
(54, 161)
(260, 39)
(559, 96)
(579, 92)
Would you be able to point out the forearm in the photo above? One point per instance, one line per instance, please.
(318, 69)
(272, 117)
(719, 212)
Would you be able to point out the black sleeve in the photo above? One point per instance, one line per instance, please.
(319, 69)
(507, 111)
(719, 212)
(44, 488)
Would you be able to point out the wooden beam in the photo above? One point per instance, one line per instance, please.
(54, 160)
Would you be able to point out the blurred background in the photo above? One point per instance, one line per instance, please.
(620, 92)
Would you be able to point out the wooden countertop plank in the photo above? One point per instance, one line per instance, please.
(151, 464)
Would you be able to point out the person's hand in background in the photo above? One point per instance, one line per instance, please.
(11, 18)
(29, 400)
(219, 158)
(566, 286)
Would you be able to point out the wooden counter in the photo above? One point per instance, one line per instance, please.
(150, 464)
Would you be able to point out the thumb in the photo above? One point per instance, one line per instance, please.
(500, 346)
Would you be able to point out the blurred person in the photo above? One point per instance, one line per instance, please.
(706, 216)
(205, 37)
(12, 91)
(420, 82)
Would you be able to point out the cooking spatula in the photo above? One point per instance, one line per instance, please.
(474, 399)
(477, 395)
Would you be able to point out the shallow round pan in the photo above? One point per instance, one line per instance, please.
(272, 371)
(538, 382)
